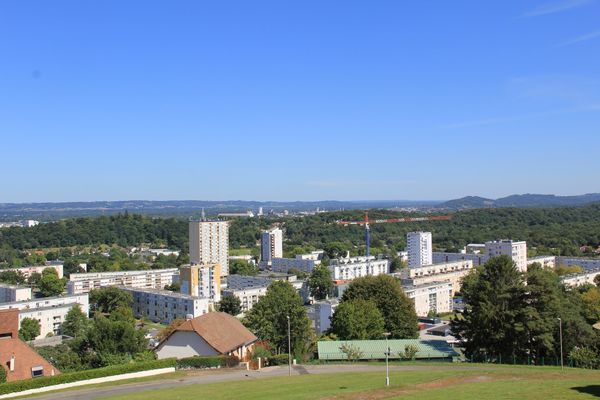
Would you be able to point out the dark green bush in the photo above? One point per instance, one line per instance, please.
(2, 374)
(19, 386)
(279, 359)
(199, 362)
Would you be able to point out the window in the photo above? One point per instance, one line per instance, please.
(36, 372)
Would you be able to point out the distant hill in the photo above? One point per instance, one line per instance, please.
(521, 200)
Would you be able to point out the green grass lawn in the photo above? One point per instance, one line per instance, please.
(462, 382)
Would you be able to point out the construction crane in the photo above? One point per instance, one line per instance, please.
(367, 223)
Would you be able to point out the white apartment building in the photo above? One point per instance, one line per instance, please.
(27, 271)
(49, 311)
(544, 261)
(10, 293)
(419, 248)
(149, 279)
(515, 250)
(271, 245)
(356, 267)
(433, 297)
(249, 289)
(164, 306)
(285, 264)
(201, 281)
(209, 244)
(452, 272)
(582, 278)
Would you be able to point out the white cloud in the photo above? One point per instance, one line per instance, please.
(556, 7)
(582, 38)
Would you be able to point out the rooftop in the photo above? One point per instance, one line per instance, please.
(241, 282)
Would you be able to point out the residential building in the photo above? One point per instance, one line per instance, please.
(149, 279)
(545, 261)
(27, 271)
(435, 297)
(581, 278)
(49, 311)
(201, 281)
(285, 264)
(513, 249)
(320, 313)
(419, 248)
(583, 262)
(249, 289)
(452, 272)
(209, 244)
(10, 293)
(441, 257)
(356, 267)
(165, 306)
(19, 361)
(271, 245)
(212, 334)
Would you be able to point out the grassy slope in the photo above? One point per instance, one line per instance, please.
(464, 383)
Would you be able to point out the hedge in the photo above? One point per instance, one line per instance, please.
(19, 386)
(207, 362)
(2, 374)
(279, 359)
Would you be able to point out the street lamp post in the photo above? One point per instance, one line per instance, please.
(289, 348)
(387, 354)
(561, 343)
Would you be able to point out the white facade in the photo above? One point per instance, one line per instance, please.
(165, 306)
(271, 244)
(433, 297)
(49, 311)
(357, 267)
(150, 279)
(583, 278)
(27, 271)
(248, 289)
(545, 261)
(515, 250)
(10, 293)
(419, 248)
(183, 344)
(452, 272)
(209, 243)
(285, 264)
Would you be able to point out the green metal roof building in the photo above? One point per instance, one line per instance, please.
(375, 349)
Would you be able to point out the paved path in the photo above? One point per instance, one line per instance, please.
(223, 375)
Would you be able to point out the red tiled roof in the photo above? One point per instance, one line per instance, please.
(220, 330)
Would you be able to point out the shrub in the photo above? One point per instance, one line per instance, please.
(19, 386)
(279, 359)
(410, 352)
(2, 374)
(199, 362)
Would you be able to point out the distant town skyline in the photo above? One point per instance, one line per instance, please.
(300, 101)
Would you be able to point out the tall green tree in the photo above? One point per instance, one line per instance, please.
(357, 320)
(12, 277)
(230, 305)
(268, 319)
(30, 329)
(241, 267)
(493, 322)
(397, 309)
(76, 322)
(106, 300)
(50, 284)
(320, 283)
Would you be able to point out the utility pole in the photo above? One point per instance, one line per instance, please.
(387, 354)
(289, 348)
(561, 343)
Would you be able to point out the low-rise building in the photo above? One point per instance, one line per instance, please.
(582, 278)
(49, 311)
(149, 279)
(452, 272)
(165, 306)
(284, 265)
(212, 334)
(435, 297)
(356, 267)
(517, 250)
(249, 289)
(10, 293)
(545, 261)
(27, 271)
(583, 262)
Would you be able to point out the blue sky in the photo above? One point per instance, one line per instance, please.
(304, 100)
